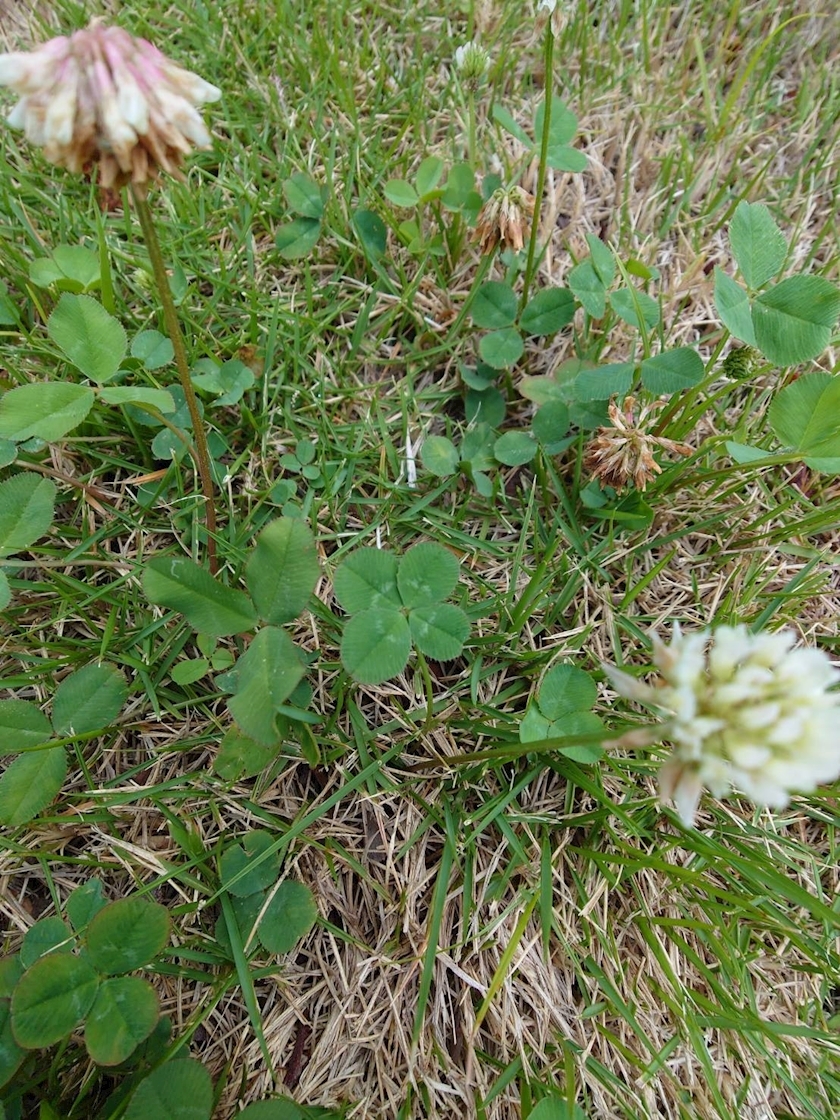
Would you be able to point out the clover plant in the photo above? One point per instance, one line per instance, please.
(74, 976)
(84, 704)
(280, 575)
(394, 604)
(561, 709)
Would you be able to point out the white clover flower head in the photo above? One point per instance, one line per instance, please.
(744, 710)
(473, 62)
(100, 96)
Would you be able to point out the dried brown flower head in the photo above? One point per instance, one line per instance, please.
(505, 220)
(624, 453)
(100, 96)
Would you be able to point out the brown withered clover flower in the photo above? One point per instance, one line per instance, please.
(505, 220)
(100, 96)
(623, 453)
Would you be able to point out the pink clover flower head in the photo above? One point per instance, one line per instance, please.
(100, 96)
(743, 710)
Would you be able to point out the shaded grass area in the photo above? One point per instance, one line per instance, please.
(500, 930)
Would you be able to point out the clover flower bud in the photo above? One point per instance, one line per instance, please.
(473, 62)
(743, 710)
(549, 14)
(740, 362)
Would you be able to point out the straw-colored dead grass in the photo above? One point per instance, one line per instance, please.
(350, 991)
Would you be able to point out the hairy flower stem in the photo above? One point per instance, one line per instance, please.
(473, 129)
(173, 329)
(543, 166)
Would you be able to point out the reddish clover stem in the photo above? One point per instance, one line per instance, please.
(543, 165)
(173, 329)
